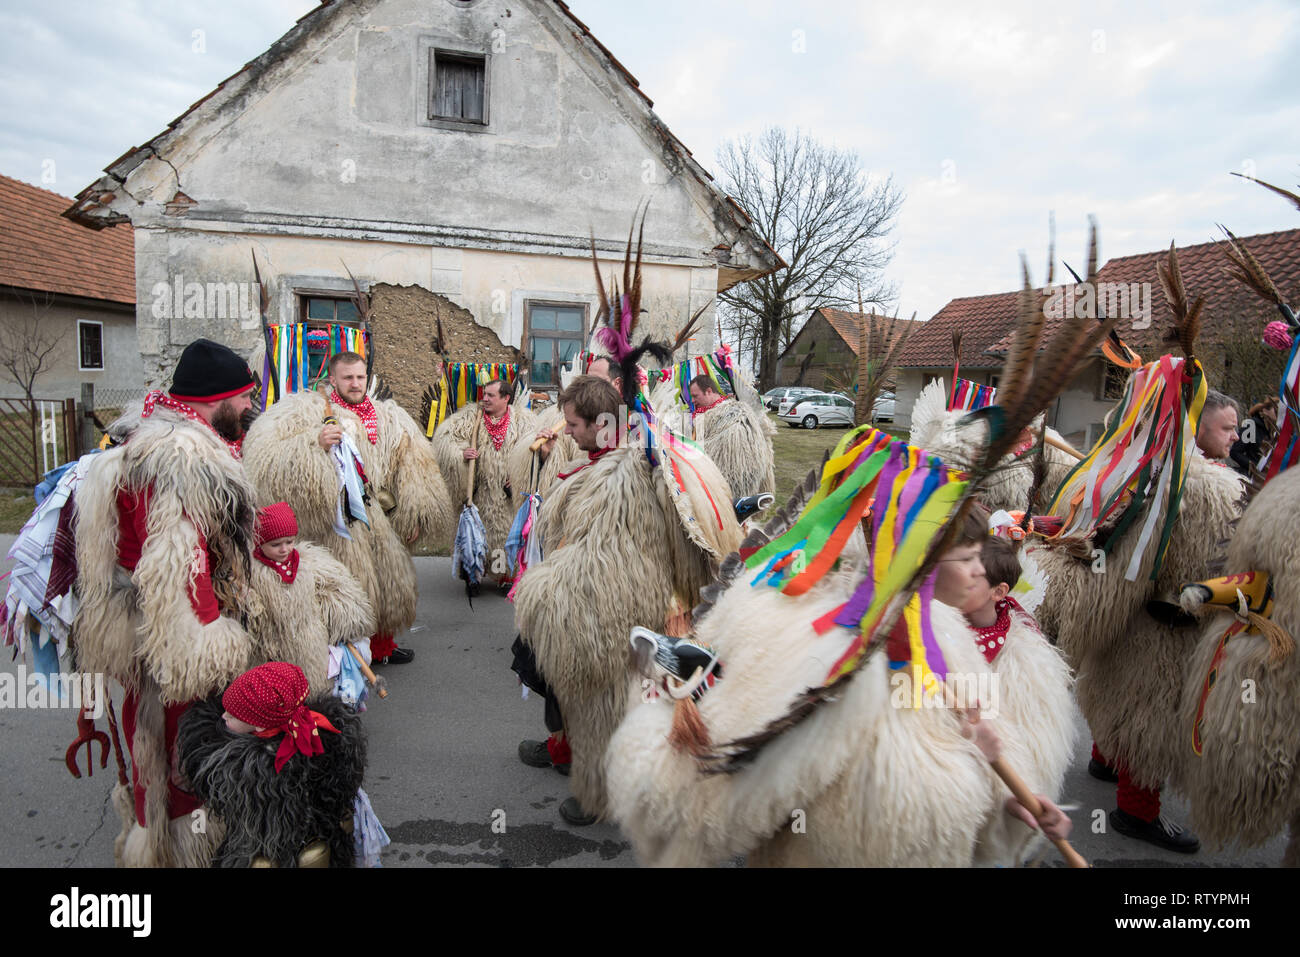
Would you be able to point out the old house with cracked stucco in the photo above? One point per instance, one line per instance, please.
(467, 148)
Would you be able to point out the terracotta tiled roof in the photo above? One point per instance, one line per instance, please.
(849, 324)
(40, 249)
(1203, 267)
(983, 320)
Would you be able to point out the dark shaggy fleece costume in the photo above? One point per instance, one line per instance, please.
(267, 814)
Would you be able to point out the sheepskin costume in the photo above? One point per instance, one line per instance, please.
(617, 554)
(955, 440)
(298, 621)
(495, 502)
(739, 440)
(285, 463)
(520, 464)
(1245, 784)
(1130, 666)
(172, 504)
(269, 814)
(863, 781)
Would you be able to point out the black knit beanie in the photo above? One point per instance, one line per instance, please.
(210, 372)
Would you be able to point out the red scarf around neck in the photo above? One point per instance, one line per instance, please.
(591, 460)
(287, 569)
(365, 411)
(497, 430)
(158, 397)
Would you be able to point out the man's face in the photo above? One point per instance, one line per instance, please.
(1218, 432)
(584, 433)
(349, 381)
(494, 403)
(602, 368)
(703, 397)
(961, 573)
(231, 416)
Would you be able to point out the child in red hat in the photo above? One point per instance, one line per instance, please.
(282, 772)
(304, 606)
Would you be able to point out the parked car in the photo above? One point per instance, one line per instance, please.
(883, 410)
(825, 409)
(790, 400)
(772, 397)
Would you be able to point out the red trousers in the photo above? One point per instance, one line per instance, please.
(1142, 803)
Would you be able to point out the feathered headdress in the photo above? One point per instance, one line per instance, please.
(910, 506)
(1142, 458)
(619, 314)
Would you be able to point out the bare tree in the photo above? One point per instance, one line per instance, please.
(27, 344)
(827, 219)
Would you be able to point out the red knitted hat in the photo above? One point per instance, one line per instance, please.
(276, 521)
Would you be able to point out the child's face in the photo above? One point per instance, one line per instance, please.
(235, 726)
(984, 595)
(277, 549)
(960, 573)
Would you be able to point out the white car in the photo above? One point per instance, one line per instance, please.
(811, 411)
(773, 397)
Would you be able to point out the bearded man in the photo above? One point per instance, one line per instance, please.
(164, 527)
(487, 431)
(288, 457)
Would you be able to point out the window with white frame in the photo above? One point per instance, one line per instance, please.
(90, 345)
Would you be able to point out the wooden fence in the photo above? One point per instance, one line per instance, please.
(35, 436)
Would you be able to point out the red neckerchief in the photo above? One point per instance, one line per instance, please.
(591, 460)
(365, 410)
(497, 431)
(700, 408)
(992, 639)
(287, 569)
(301, 732)
(158, 397)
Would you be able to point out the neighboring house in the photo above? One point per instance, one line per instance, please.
(824, 353)
(61, 283)
(472, 148)
(1228, 347)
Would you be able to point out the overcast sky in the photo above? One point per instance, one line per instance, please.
(989, 116)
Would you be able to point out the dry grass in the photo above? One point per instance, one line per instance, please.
(15, 509)
(798, 450)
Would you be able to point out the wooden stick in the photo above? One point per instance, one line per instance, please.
(469, 484)
(1026, 797)
(365, 670)
(540, 441)
(1065, 447)
(1031, 803)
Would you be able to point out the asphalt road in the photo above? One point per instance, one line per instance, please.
(443, 775)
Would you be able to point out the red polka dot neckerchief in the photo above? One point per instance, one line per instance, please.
(497, 430)
(287, 569)
(364, 410)
(158, 397)
(992, 639)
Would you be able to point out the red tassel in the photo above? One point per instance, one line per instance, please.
(688, 732)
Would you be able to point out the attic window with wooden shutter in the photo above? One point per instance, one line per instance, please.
(457, 87)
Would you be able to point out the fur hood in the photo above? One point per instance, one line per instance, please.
(268, 814)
